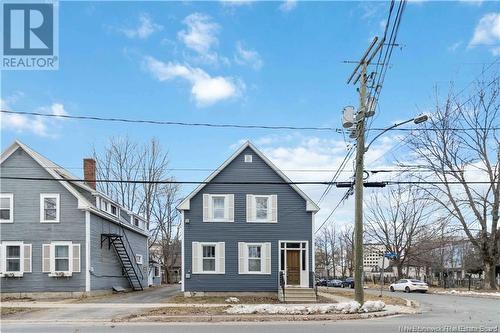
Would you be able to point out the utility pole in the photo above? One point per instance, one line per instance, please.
(358, 190)
(358, 182)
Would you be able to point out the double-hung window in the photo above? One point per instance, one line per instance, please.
(254, 258)
(6, 208)
(49, 208)
(61, 257)
(218, 207)
(15, 258)
(208, 258)
(262, 208)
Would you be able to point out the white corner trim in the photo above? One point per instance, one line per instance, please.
(183, 288)
(87, 251)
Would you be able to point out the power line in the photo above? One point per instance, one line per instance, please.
(133, 181)
(168, 122)
(344, 197)
(267, 127)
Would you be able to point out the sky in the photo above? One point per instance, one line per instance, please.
(242, 62)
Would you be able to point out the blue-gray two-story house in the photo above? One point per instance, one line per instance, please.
(244, 226)
(59, 235)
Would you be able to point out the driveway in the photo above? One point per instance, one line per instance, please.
(92, 313)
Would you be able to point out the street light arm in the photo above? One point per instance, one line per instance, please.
(388, 129)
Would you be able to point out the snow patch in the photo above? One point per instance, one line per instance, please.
(472, 293)
(347, 307)
(232, 300)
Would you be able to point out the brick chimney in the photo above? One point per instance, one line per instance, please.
(89, 170)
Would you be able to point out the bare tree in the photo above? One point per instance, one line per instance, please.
(460, 145)
(396, 219)
(123, 159)
(144, 166)
(166, 226)
(346, 250)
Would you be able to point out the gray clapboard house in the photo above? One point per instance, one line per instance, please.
(240, 238)
(61, 236)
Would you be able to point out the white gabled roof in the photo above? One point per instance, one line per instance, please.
(53, 169)
(310, 206)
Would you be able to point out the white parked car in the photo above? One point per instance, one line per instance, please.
(409, 285)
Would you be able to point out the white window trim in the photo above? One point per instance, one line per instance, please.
(4, 245)
(215, 258)
(42, 207)
(268, 198)
(263, 259)
(154, 271)
(9, 196)
(138, 259)
(227, 208)
(53, 272)
(248, 158)
(269, 219)
(218, 258)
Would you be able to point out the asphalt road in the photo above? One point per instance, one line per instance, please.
(441, 311)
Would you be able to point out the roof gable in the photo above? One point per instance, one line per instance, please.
(310, 205)
(53, 169)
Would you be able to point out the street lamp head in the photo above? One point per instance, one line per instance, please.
(420, 119)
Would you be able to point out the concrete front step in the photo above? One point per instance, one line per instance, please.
(299, 295)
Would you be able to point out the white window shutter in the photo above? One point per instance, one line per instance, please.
(2, 258)
(274, 208)
(250, 208)
(76, 258)
(195, 258)
(206, 210)
(230, 207)
(241, 257)
(27, 258)
(221, 260)
(267, 258)
(46, 261)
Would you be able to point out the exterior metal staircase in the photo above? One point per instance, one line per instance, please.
(131, 271)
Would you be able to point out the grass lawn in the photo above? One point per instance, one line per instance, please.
(222, 300)
(6, 311)
(349, 293)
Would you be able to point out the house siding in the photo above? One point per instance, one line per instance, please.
(105, 264)
(27, 226)
(294, 223)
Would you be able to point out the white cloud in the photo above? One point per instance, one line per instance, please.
(32, 124)
(487, 32)
(145, 28)
(235, 3)
(205, 89)
(453, 47)
(288, 5)
(298, 152)
(200, 35)
(248, 57)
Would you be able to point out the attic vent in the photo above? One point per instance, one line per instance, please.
(248, 158)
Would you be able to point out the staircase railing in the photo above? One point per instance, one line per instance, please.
(134, 261)
(282, 285)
